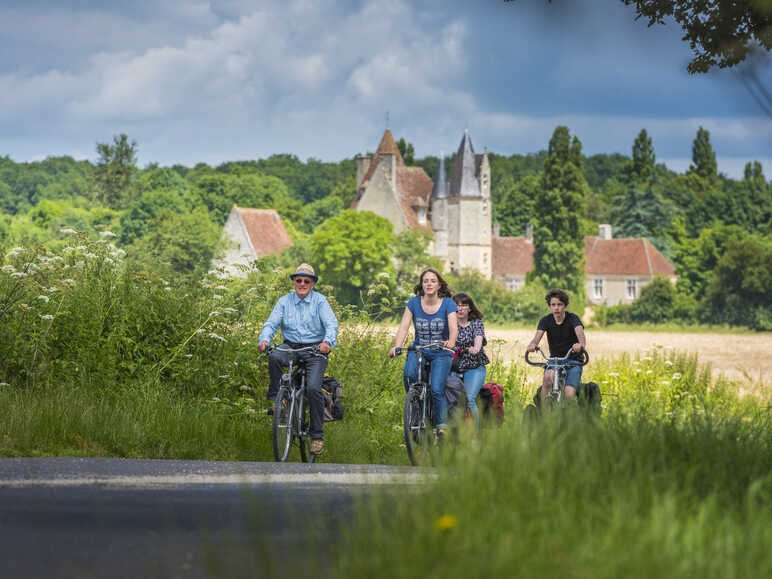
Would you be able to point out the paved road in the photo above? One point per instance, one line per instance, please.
(80, 518)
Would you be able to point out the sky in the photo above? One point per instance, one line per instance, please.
(194, 81)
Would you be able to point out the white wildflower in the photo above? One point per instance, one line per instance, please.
(46, 317)
(167, 289)
(89, 255)
(108, 260)
(107, 234)
(8, 268)
(217, 297)
(221, 287)
(677, 376)
(201, 331)
(604, 382)
(647, 358)
(68, 281)
(637, 370)
(665, 383)
(15, 251)
(216, 337)
(215, 399)
(668, 363)
(244, 388)
(4, 384)
(251, 411)
(397, 427)
(101, 241)
(30, 265)
(230, 310)
(188, 355)
(44, 299)
(214, 314)
(80, 247)
(224, 377)
(635, 362)
(68, 231)
(18, 274)
(650, 371)
(613, 373)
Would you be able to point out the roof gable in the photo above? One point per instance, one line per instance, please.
(265, 230)
(624, 256)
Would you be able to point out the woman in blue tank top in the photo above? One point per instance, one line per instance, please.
(433, 314)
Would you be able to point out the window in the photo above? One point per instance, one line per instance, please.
(597, 288)
(632, 287)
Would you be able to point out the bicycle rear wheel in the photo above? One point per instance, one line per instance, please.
(415, 425)
(282, 432)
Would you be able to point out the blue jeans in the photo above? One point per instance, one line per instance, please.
(473, 381)
(440, 361)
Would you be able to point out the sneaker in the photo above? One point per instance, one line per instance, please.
(317, 446)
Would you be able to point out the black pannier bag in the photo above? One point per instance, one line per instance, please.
(333, 399)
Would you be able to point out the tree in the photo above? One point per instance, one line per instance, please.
(703, 156)
(641, 212)
(513, 209)
(115, 167)
(656, 302)
(143, 214)
(721, 33)
(406, 150)
(352, 250)
(558, 241)
(738, 292)
(643, 158)
(181, 243)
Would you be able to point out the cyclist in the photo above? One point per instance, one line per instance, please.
(305, 319)
(433, 314)
(471, 355)
(565, 332)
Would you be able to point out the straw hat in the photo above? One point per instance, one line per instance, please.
(306, 270)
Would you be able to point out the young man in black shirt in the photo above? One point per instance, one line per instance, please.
(564, 332)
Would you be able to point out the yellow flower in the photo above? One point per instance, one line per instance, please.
(445, 522)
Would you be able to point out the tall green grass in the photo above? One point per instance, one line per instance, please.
(637, 493)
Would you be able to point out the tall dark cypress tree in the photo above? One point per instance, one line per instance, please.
(558, 241)
(643, 158)
(703, 156)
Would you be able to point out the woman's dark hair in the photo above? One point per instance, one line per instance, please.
(444, 291)
(556, 293)
(474, 311)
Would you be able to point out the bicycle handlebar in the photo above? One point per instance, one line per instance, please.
(433, 346)
(286, 348)
(557, 361)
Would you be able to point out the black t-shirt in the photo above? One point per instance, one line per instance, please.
(560, 336)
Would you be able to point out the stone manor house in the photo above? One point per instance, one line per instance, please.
(457, 212)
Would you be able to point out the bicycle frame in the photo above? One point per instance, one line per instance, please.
(289, 413)
(415, 427)
(559, 365)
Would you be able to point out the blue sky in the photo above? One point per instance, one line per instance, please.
(195, 81)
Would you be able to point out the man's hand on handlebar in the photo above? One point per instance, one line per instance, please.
(577, 347)
(324, 348)
(262, 346)
(532, 347)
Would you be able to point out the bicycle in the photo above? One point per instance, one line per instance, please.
(417, 413)
(559, 365)
(291, 408)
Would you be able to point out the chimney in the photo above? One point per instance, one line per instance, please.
(604, 231)
(529, 233)
(363, 164)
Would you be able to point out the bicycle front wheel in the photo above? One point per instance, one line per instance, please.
(415, 427)
(303, 422)
(283, 414)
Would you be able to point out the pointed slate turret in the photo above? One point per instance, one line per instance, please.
(463, 182)
(440, 190)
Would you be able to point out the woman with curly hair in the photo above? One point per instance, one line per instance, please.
(433, 314)
(471, 358)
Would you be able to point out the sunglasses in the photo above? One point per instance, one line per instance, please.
(302, 280)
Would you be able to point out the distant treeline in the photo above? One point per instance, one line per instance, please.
(717, 231)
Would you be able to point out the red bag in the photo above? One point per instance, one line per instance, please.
(495, 394)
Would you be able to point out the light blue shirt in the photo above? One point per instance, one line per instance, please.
(307, 321)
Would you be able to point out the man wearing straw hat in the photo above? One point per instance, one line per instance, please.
(305, 319)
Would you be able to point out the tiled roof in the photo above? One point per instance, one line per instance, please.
(636, 256)
(630, 256)
(387, 145)
(511, 256)
(414, 187)
(265, 230)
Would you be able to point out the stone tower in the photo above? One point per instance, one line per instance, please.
(439, 208)
(469, 211)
